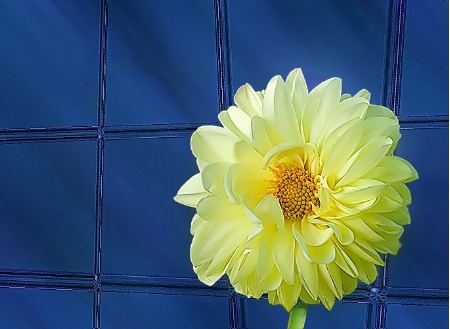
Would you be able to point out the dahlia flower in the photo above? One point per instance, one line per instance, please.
(298, 193)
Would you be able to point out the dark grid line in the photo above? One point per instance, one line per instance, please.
(100, 164)
(193, 287)
(172, 130)
(237, 314)
(376, 314)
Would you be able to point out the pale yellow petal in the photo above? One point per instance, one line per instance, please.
(328, 98)
(213, 177)
(308, 273)
(393, 169)
(313, 234)
(360, 228)
(298, 92)
(260, 138)
(283, 254)
(267, 211)
(246, 177)
(279, 112)
(343, 148)
(365, 164)
(213, 144)
(331, 276)
(248, 100)
(237, 121)
(323, 254)
(191, 192)
(345, 262)
(219, 209)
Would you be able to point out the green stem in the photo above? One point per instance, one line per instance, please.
(297, 316)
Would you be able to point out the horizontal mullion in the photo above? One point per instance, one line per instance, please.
(46, 280)
(192, 286)
(120, 132)
(417, 296)
(162, 285)
(48, 134)
(423, 121)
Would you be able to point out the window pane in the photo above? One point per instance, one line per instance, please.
(261, 314)
(425, 68)
(423, 259)
(161, 62)
(50, 309)
(416, 317)
(325, 38)
(145, 231)
(47, 202)
(49, 63)
(163, 311)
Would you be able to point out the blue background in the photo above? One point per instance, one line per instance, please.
(162, 69)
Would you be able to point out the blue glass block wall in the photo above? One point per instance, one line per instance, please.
(99, 98)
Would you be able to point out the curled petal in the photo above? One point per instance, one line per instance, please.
(191, 192)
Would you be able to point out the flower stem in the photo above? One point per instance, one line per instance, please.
(297, 316)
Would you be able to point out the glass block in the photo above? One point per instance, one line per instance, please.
(50, 309)
(47, 206)
(417, 317)
(422, 261)
(49, 63)
(261, 314)
(325, 38)
(425, 68)
(163, 311)
(145, 231)
(161, 62)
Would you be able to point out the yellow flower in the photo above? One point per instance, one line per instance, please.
(298, 193)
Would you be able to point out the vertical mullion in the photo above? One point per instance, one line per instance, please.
(100, 164)
(376, 313)
(237, 313)
(223, 52)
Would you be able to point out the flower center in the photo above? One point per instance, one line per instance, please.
(295, 190)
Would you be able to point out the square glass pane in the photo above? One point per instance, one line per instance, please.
(50, 309)
(422, 261)
(145, 231)
(261, 314)
(49, 63)
(325, 38)
(425, 68)
(163, 311)
(47, 206)
(417, 317)
(161, 62)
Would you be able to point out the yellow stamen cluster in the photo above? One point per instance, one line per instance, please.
(295, 190)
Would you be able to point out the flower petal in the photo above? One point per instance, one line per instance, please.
(213, 177)
(283, 254)
(260, 138)
(213, 144)
(248, 100)
(327, 95)
(343, 148)
(298, 92)
(308, 273)
(393, 169)
(324, 253)
(191, 192)
(246, 177)
(219, 209)
(365, 164)
(237, 121)
(313, 234)
(278, 113)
